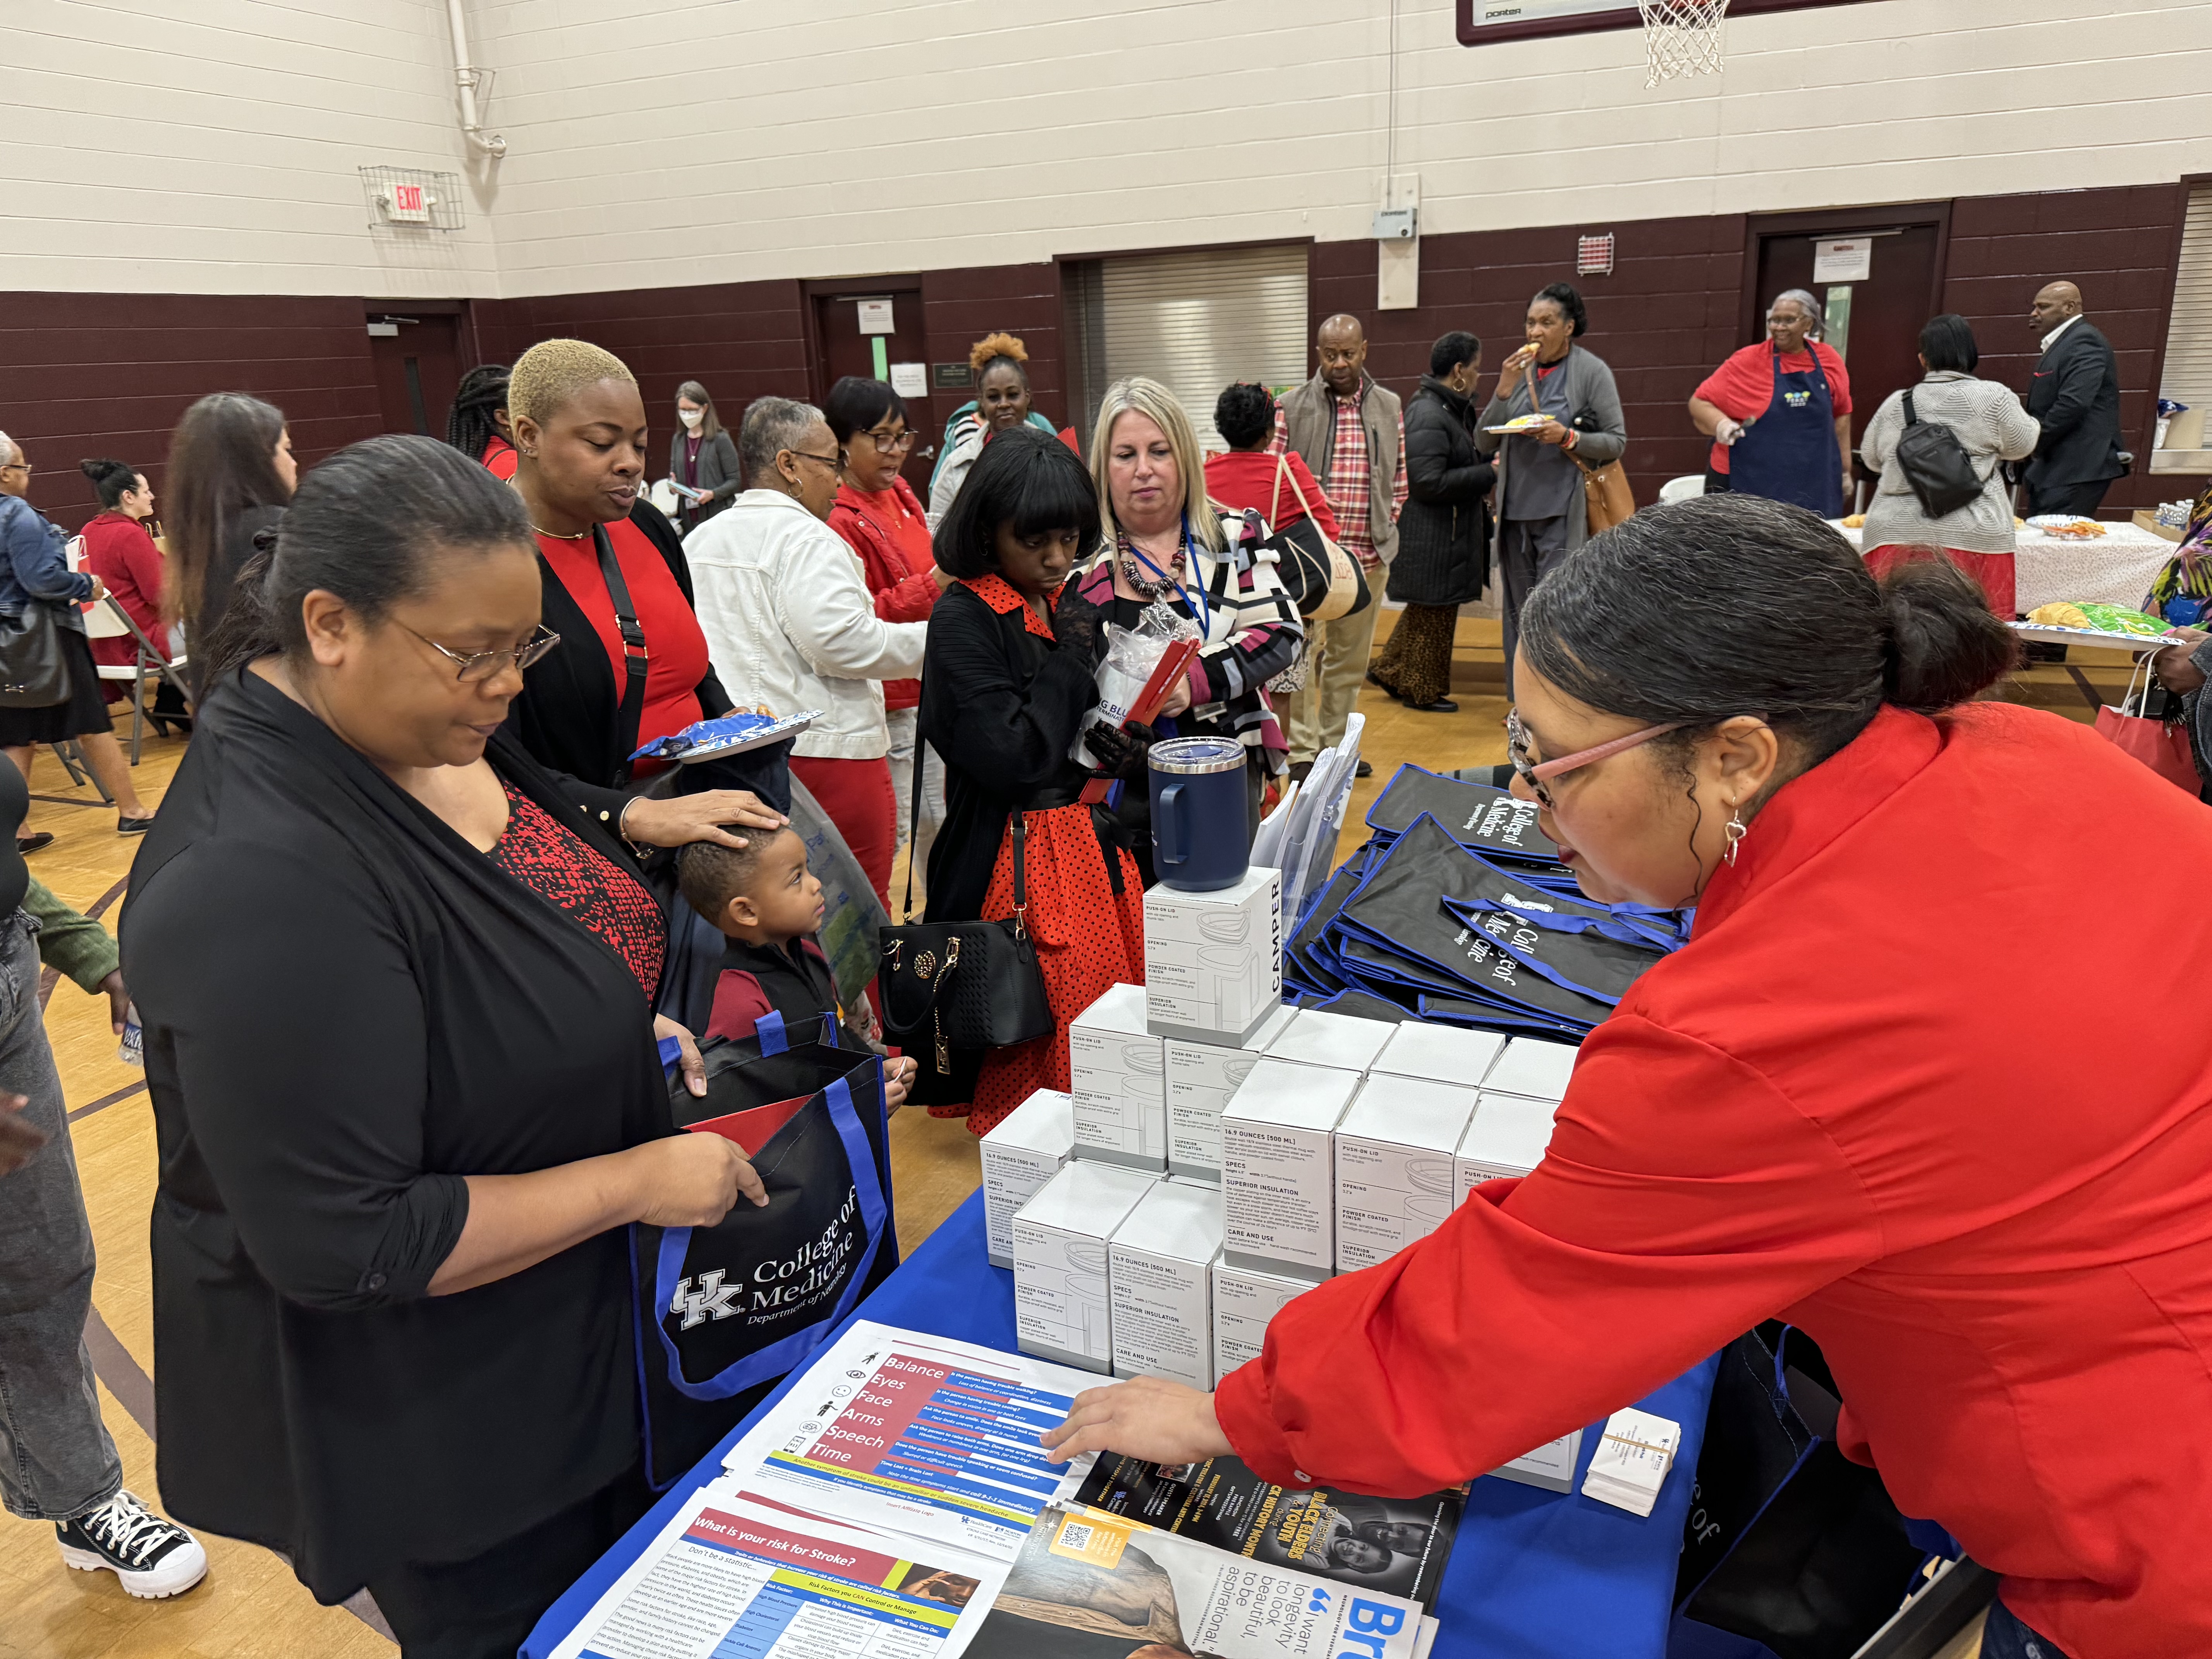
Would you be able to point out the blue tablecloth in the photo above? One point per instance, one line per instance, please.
(1533, 1573)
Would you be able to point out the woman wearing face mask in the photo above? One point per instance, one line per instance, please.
(701, 456)
(1542, 516)
(1820, 1110)
(1009, 677)
(882, 519)
(1779, 413)
(633, 664)
(119, 550)
(1000, 363)
(783, 605)
(1444, 530)
(397, 988)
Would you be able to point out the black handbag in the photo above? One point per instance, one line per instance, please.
(33, 672)
(1936, 465)
(960, 984)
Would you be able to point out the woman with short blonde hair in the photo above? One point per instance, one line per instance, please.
(1165, 540)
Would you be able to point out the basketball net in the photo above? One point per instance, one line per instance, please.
(1681, 37)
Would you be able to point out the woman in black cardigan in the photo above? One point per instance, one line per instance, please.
(1009, 675)
(1444, 530)
(395, 988)
(580, 431)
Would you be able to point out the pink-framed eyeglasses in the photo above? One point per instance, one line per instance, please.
(1534, 773)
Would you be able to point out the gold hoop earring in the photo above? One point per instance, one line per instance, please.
(1735, 830)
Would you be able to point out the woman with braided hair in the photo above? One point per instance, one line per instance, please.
(477, 424)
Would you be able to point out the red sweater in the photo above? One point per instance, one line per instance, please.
(118, 550)
(890, 530)
(1246, 477)
(1931, 1081)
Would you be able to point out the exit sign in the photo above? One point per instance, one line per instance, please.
(408, 203)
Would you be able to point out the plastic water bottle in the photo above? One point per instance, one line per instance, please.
(133, 1051)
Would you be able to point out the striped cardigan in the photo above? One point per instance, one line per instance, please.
(1253, 634)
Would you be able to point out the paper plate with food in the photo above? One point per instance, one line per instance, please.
(1521, 423)
(2066, 621)
(2071, 525)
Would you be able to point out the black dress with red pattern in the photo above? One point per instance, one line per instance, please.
(584, 883)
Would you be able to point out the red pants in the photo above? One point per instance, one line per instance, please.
(1992, 570)
(858, 796)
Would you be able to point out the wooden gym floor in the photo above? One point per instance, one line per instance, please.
(250, 1607)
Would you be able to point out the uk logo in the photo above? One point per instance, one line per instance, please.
(710, 1301)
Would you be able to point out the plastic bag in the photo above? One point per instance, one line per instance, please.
(1132, 655)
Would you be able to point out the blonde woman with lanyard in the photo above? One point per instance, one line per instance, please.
(1165, 540)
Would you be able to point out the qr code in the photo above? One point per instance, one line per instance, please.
(1075, 1536)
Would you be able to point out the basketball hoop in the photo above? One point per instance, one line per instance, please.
(1681, 37)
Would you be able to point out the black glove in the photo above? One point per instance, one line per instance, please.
(1121, 750)
(1079, 625)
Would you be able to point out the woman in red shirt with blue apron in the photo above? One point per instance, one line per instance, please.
(1776, 412)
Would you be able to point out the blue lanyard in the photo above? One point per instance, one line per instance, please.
(1192, 601)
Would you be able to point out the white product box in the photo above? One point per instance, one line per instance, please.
(1158, 1277)
(1213, 962)
(1532, 1069)
(1278, 1174)
(1316, 1037)
(1551, 1466)
(1394, 1179)
(1061, 1303)
(1020, 1155)
(1244, 1301)
(1506, 1137)
(1441, 1053)
(1202, 1077)
(1117, 1079)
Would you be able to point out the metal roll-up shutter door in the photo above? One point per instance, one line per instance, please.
(2187, 376)
(1198, 321)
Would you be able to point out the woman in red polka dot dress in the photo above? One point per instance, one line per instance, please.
(1008, 680)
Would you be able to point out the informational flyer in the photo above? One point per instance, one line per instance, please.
(1394, 1544)
(734, 1575)
(1087, 1584)
(919, 1435)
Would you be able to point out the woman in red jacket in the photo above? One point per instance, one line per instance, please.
(879, 515)
(1887, 1091)
(119, 550)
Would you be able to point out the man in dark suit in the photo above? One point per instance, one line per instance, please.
(2075, 393)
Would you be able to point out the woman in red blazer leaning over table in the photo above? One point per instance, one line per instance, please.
(1899, 1089)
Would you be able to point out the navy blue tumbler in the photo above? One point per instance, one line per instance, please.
(1200, 835)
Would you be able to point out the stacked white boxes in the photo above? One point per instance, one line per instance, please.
(1159, 1270)
(1061, 1236)
(1117, 1079)
(1025, 1149)
(1395, 1178)
(1218, 1156)
(1201, 1079)
(1278, 1171)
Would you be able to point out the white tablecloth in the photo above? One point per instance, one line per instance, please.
(2115, 569)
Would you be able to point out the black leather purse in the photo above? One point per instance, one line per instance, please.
(960, 984)
(33, 672)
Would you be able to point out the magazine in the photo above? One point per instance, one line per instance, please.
(1089, 1586)
(1394, 1544)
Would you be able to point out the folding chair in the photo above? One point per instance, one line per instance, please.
(108, 620)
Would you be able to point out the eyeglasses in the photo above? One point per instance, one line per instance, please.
(890, 445)
(1533, 772)
(478, 666)
(835, 463)
(15, 466)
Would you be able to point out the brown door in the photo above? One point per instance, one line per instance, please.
(842, 350)
(418, 367)
(1878, 318)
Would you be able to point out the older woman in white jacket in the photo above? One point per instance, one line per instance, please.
(791, 625)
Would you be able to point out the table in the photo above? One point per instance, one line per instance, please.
(1533, 1573)
(2115, 569)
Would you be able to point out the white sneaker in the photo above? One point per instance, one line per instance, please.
(153, 1556)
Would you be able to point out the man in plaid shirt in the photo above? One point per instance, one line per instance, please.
(1351, 432)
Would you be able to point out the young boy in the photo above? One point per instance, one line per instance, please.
(769, 906)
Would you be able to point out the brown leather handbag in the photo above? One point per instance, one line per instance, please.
(1607, 497)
